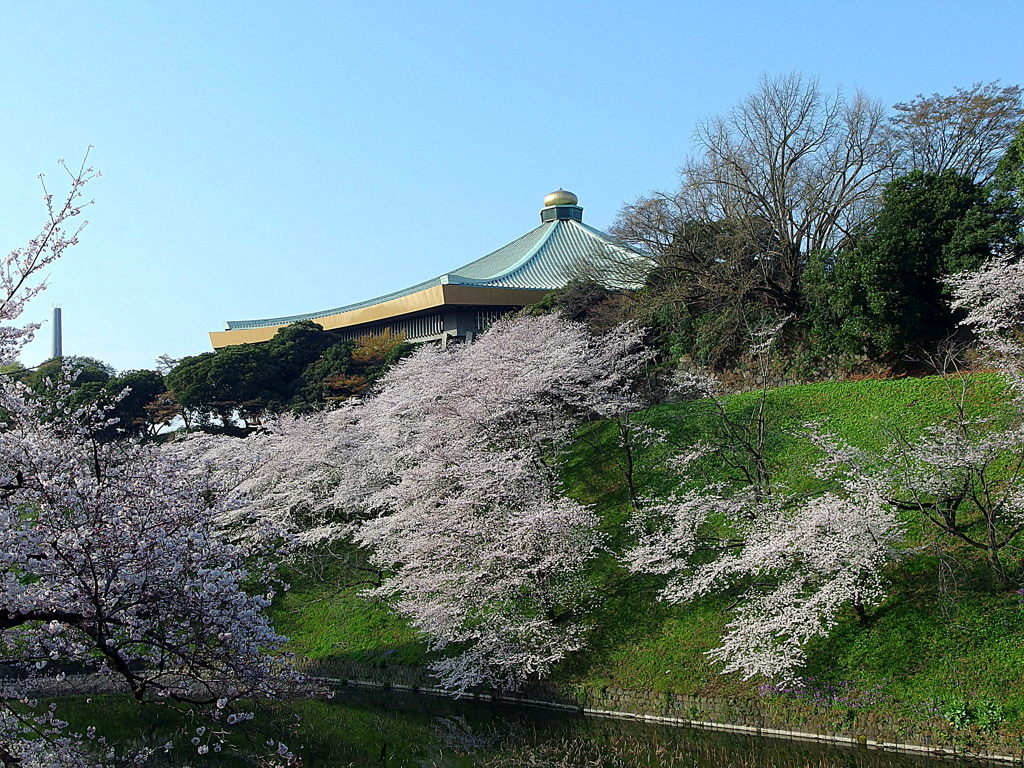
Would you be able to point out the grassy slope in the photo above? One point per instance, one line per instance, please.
(920, 652)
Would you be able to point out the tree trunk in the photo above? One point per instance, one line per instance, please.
(993, 558)
(997, 566)
(862, 614)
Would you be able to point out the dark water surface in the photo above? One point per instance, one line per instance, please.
(368, 728)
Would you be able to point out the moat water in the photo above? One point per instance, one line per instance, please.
(368, 728)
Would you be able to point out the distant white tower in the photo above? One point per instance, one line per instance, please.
(58, 335)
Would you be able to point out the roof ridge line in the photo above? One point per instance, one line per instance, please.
(610, 239)
(524, 260)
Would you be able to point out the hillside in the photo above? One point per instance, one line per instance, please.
(944, 643)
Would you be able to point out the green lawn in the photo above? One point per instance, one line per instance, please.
(322, 621)
(924, 649)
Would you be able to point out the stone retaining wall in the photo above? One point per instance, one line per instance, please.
(745, 374)
(771, 716)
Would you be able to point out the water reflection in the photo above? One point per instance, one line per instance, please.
(369, 728)
(366, 728)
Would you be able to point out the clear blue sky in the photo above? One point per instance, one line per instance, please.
(267, 158)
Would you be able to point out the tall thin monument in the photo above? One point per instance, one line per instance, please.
(58, 335)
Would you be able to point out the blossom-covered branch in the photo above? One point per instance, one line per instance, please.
(795, 561)
(449, 476)
(110, 558)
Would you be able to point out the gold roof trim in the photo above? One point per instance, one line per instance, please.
(430, 298)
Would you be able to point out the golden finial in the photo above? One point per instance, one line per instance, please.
(560, 197)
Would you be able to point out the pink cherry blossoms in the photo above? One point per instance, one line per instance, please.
(110, 560)
(449, 476)
(796, 561)
(993, 297)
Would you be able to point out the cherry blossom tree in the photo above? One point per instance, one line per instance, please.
(993, 297)
(797, 567)
(449, 476)
(965, 475)
(110, 559)
(484, 551)
(796, 561)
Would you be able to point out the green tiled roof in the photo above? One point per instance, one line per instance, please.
(543, 259)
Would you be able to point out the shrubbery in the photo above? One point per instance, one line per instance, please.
(301, 368)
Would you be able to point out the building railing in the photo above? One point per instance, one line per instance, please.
(413, 328)
(485, 318)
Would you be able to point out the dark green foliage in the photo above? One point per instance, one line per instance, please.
(1008, 188)
(719, 338)
(85, 375)
(247, 375)
(670, 330)
(300, 368)
(335, 361)
(75, 381)
(130, 408)
(244, 379)
(573, 301)
(84, 378)
(884, 297)
(585, 301)
(188, 381)
(1009, 176)
(297, 346)
(872, 296)
(349, 368)
(711, 282)
(126, 396)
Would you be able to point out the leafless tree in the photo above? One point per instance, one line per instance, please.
(966, 131)
(795, 170)
(787, 171)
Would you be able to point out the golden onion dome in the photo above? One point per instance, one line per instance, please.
(560, 197)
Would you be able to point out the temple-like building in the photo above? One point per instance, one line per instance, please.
(465, 301)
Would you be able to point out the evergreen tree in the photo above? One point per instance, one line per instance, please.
(884, 297)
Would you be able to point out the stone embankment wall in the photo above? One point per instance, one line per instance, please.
(745, 375)
(770, 716)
